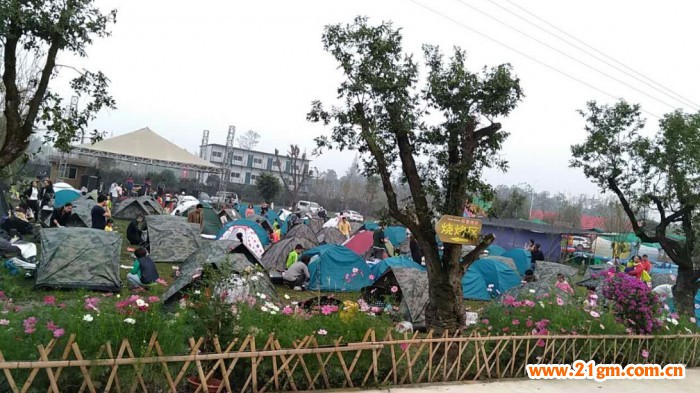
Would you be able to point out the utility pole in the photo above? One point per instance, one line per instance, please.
(203, 151)
(228, 157)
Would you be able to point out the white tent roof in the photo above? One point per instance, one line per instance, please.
(145, 146)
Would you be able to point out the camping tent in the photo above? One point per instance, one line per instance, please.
(272, 216)
(65, 196)
(394, 262)
(223, 253)
(212, 219)
(152, 206)
(484, 273)
(396, 235)
(81, 217)
(79, 258)
(129, 208)
(250, 238)
(330, 236)
(171, 238)
(506, 261)
(521, 258)
(495, 250)
(261, 233)
(332, 223)
(331, 270)
(412, 294)
(275, 257)
(302, 232)
(361, 242)
(549, 270)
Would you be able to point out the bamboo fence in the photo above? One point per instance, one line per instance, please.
(244, 366)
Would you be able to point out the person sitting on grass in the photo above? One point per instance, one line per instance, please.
(294, 255)
(144, 271)
(297, 276)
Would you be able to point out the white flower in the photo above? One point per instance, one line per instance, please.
(322, 332)
(674, 322)
(541, 303)
(130, 321)
(254, 278)
(263, 308)
(273, 312)
(532, 291)
(197, 292)
(141, 303)
(355, 270)
(88, 318)
(175, 267)
(262, 296)
(286, 296)
(295, 303)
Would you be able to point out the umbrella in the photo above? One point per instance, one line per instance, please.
(65, 196)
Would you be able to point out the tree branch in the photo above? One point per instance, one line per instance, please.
(473, 255)
(42, 86)
(659, 206)
(487, 131)
(643, 236)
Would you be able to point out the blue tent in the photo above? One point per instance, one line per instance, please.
(332, 267)
(697, 307)
(495, 250)
(379, 268)
(521, 257)
(396, 235)
(272, 216)
(317, 250)
(370, 226)
(259, 230)
(485, 272)
(65, 196)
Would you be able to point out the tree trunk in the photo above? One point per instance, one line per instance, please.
(685, 288)
(445, 310)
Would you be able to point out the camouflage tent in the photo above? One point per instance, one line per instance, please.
(508, 261)
(129, 208)
(152, 206)
(315, 224)
(330, 236)
(549, 270)
(662, 278)
(302, 232)
(82, 258)
(593, 275)
(81, 217)
(275, 257)
(222, 254)
(412, 295)
(171, 238)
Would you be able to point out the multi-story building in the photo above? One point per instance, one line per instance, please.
(246, 165)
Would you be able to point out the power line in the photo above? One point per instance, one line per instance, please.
(523, 54)
(677, 97)
(566, 54)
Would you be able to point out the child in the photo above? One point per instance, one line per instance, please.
(294, 255)
(144, 271)
(529, 276)
(109, 227)
(273, 235)
(564, 285)
(591, 301)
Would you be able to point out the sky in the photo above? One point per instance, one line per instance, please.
(180, 67)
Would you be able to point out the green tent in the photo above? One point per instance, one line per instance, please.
(79, 258)
(212, 219)
(171, 238)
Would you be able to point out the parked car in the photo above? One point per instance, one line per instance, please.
(580, 242)
(225, 197)
(353, 215)
(308, 207)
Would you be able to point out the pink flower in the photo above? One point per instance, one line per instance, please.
(153, 299)
(540, 343)
(394, 289)
(2, 295)
(328, 309)
(645, 353)
(122, 304)
(62, 305)
(485, 321)
(163, 282)
(49, 300)
(4, 322)
(29, 329)
(515, 322)
(529, 303)
(322, 332)
(375, 310)
(529, 323)
(403, 346)
(51, 326)
(30, 320)
(692, 320)
(91, 304)
(58, 333)
(287, 310)
(560, 302)
(371, 277)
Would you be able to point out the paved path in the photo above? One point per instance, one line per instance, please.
(691, 384)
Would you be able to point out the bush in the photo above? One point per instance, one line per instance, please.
(634, 304)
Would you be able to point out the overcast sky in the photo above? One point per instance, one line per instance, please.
(180, 67)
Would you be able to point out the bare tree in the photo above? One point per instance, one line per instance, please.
(294, 173)
(249, 140)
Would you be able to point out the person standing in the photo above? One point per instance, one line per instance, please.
(46, 194)
(129, 185)
(294, 255)
(379, 242)
(146, 187)
(100, 213)
(344, 227)
(161, 189)
(537, 255)
(249, 212)
(32, 195)
(196, 216)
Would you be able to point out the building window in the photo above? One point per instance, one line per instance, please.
(257, 161)
(237, 158)
(216, 154)
(235, 175)
(253, 177)
(72, 172)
